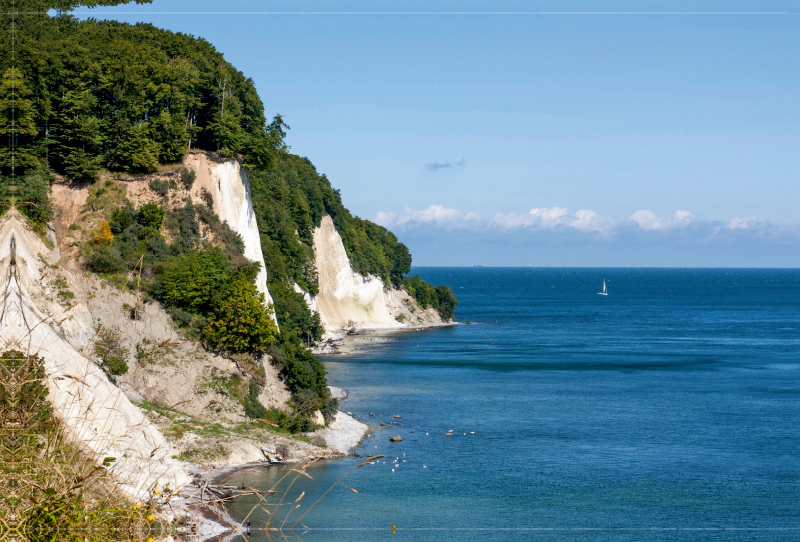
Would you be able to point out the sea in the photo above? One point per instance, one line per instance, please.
(667, 410)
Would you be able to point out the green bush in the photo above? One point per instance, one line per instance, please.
(31, 194)
(113, 356)
(150, 215)
(241, 322)
(159, 187)
(105, 259)
(194, 281)
(187, 178)
(252, 406)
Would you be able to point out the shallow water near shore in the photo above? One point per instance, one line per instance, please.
(667, 410)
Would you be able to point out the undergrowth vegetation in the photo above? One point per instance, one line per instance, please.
(50, 489)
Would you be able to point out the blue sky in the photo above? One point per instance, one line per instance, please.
(535, 138)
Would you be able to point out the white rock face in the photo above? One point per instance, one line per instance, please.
(229, 185)
(95, 412)
(348, 300)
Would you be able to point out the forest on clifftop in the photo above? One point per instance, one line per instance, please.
(80, 98)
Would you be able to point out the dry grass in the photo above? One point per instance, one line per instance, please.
(51, 490)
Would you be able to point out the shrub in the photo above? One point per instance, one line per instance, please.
(187, 178)
(105, 259)
(111, 353)
(207, 198)
(103, 235)
(252, 406)
(159, 187)
(241, 323)
(192, 281)
(150, 214)
(121, 219)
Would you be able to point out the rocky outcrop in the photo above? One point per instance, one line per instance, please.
(348, 300)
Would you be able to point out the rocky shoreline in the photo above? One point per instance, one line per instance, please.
(198, 512)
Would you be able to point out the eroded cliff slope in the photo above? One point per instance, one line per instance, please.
(349, 301)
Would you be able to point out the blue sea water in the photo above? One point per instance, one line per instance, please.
(667, 410)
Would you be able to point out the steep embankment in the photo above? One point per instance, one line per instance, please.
(96, 413)
(348, 300)
(194, 395)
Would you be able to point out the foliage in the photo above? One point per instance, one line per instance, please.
(31, 195)
(89, 94)
(440, 298)
(187, 178)
(252, 406)
(52, 491)
(241, 321)
(159, 186)
(103, 235)
(294, 315)
(113, 356)
(194, 281)
(150, 215)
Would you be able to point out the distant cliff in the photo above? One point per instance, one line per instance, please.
(350, 301)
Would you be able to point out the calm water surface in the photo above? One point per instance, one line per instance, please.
(667, 410)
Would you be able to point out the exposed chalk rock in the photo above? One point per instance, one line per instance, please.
(350, 301)
(229, 187)
(96, 414)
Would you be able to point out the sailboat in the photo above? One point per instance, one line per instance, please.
(604, 292)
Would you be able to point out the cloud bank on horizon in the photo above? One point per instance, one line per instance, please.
(558, 218)
(585, 237)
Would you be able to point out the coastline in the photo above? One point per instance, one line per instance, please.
(344, 435)
(348, 343)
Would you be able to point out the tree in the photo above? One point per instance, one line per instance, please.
(193, 281)
(17, 123)
(102, 235)
(242, 323)
(136, 151)
(150, 215)
(79, 135)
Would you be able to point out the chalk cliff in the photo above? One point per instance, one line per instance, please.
(348, 300)
(96, 413)
(229, 187)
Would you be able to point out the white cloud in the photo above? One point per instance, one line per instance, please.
(742, 223)
(647, 220)
(584, 220)
(434, 215)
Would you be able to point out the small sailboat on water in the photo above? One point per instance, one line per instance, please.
(604, 292)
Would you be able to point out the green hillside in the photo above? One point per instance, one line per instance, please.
(85, 98)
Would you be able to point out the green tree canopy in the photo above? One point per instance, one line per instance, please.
(241, 322)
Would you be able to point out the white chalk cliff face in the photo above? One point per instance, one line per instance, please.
(229, 186)
(348, 300)
(95, 412)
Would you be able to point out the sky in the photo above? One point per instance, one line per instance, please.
(569, 133)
